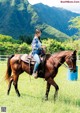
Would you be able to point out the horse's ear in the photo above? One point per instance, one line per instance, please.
(74, 52)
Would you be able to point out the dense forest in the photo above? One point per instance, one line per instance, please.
(9, 46)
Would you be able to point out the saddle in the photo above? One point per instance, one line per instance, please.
(30, 60)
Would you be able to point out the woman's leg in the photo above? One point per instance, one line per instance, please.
(37, 59)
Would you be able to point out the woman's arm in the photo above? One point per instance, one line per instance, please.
(35, 44)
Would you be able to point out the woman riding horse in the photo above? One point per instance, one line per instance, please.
(36, 51)
(16, 66)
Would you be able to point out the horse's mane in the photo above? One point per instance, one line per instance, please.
(60, 53)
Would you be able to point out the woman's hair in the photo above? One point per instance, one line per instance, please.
(38, 31)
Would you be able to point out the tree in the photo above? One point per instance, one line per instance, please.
(75, 23)
(27, 39)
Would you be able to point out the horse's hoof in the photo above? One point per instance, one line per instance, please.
(7, 93)
(46, 98)
(18, 94)
(55, 98)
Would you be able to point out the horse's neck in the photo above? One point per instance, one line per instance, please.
(62, 60)
(59, 60)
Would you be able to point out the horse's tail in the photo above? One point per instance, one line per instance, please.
(8, 71)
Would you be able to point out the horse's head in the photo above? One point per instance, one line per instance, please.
(71, 60)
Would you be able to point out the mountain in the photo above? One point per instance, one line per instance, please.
(56, 17)
(19, 17)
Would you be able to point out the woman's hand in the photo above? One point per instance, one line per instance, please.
(44, 47)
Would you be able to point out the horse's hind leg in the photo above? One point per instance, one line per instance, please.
(47, 91)
(15, 83)
(16, 89)
(9, 86)
(52, 82)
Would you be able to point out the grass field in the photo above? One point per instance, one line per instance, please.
(32, 93)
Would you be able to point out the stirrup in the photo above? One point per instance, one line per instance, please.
(35, 75)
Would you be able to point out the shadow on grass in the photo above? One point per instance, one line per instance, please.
(70, 101)
(41, 98)
(31, 96)
(62, 99)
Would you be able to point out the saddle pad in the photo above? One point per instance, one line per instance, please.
(27, 58)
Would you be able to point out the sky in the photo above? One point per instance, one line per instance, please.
(75, 7)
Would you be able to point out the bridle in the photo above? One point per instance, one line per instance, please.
(66, 66)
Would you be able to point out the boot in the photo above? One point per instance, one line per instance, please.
(35, 75)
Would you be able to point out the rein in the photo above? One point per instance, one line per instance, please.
(64, 65)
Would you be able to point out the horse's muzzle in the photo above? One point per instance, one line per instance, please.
(73, 70)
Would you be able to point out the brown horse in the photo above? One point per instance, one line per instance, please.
(16, 66)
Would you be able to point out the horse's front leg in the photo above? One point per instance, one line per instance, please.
(52, 82)
(47, 91)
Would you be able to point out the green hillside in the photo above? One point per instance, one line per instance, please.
(56, 17)
(19, 18)
(49, 31)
